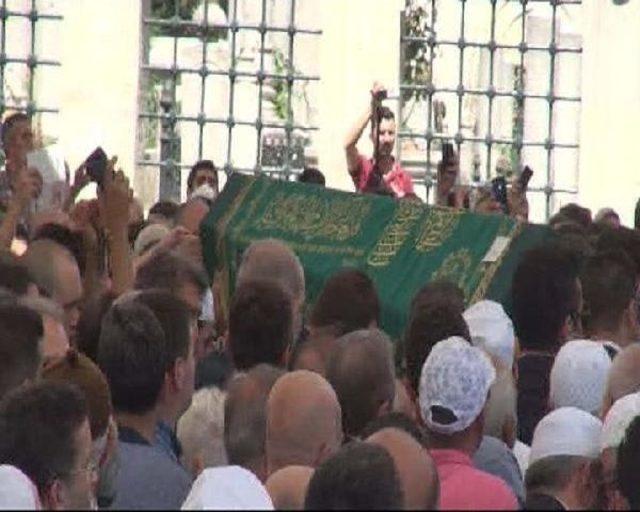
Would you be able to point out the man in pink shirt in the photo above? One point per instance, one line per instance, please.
(454, 387)
(391, 178)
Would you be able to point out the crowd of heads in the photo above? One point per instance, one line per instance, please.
(129, 379)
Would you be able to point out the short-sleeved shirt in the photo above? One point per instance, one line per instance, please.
(398, 180)
(463, 487)
(148, 478)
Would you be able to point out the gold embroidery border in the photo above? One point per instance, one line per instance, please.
(395, 233)
(491, 268)
(222, 274)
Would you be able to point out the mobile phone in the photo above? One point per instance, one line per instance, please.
(448, 153)
(499, 192)
(525, 177)
(96, 164)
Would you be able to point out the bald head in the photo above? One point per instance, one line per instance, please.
(287, 487)
(304, 421)
(417, 471)
(245, 418)
(273, 260)
(361, 371)
(56, 273)
(624, 376)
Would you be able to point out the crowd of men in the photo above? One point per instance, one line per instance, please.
(125, 385)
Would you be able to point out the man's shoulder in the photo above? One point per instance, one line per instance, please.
(148, 478)
(153, 462)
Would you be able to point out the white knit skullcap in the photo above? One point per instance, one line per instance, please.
(566, 431)
(579, 376)
(619, 417)
(492, 330)
(227, 488)
(457, 377)
(17, 492)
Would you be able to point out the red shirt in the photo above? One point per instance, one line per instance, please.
(463, 487)
(398, 181)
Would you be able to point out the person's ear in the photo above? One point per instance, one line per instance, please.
(385, 408)
(197, 465)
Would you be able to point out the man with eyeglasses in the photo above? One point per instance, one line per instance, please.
(45, 432)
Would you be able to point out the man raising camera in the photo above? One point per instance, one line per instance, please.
(381, 174)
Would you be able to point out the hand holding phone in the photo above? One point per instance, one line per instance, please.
(96, 165)
(525, 178)
(499, 193)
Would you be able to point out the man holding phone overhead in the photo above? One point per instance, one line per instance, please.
(17, 142)
(381, 174)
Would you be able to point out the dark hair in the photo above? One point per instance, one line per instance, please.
(627, 465)
(260, 324)
(62, 235)
(429, 323)
(386, 113)
(39, 424)
(544, 294)
(439, 291)
(167, 209)
(9, 123)
(397, 420)
(360, 370)
(137, 347)
(348, 301)
(312, 176)
(361, 476)
(90, 323)
(175, 320)
(609, 282)
(624, 239)
(14, 275)
(206, 165)
(169, 271)
(551, 473)
(21, 330)
(575, 213)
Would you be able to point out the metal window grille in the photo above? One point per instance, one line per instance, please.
(278, 138)
(540, 98)
(20, 62)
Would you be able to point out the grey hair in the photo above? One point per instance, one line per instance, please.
(273, 260)
(201, 429)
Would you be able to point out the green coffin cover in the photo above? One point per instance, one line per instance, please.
(402, 245)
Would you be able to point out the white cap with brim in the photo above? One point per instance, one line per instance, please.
(492, 330)
(227, 488)
(618, 419)
(566, 431)
(455, 381)
(579, 376)
(17, 492)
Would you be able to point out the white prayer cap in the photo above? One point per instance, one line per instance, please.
(566, 431)
(17, 492)
(618, 419)
(455, 377)
(492, 330)
(227, 488)
(579, 376)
